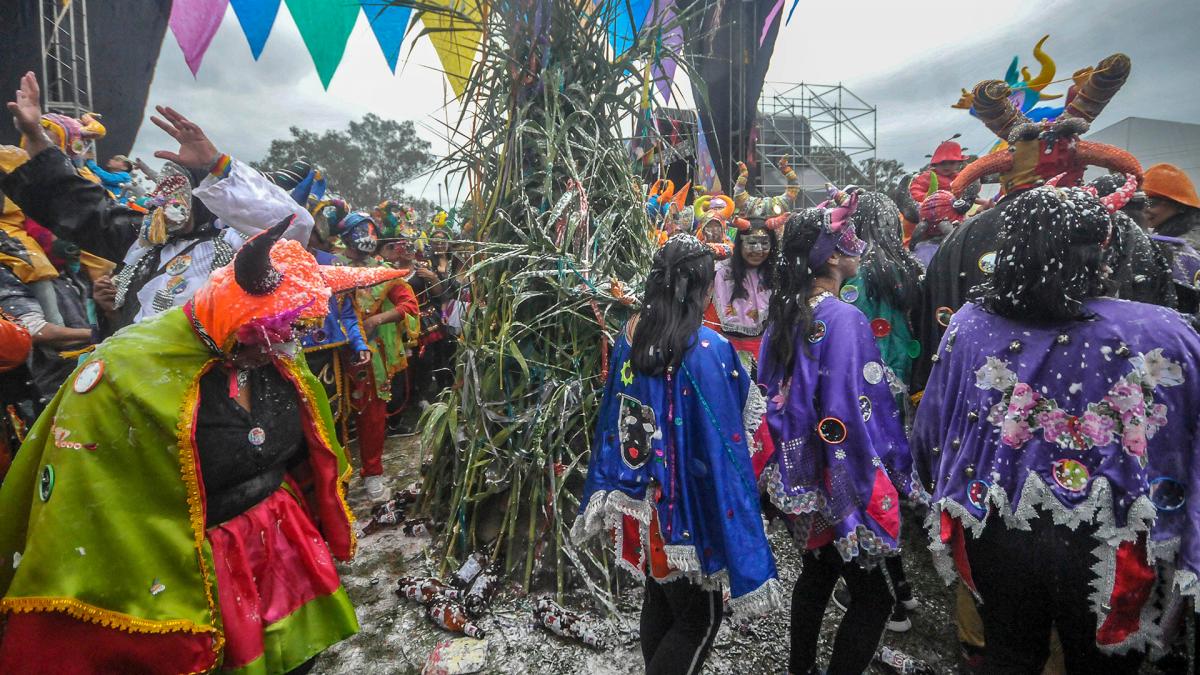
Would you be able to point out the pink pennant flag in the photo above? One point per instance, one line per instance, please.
(770, 20)
(194, 23)
(662, 17)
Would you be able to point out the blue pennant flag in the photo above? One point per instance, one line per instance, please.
(256, 17)
(628, 17)
(389, 24)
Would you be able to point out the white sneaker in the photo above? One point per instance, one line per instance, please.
(377, 492)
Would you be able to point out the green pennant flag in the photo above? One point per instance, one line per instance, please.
(325, 26)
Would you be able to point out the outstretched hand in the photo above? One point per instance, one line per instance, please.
(26, 110)
(195, 150)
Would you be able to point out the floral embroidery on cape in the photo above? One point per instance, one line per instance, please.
(1127, 413)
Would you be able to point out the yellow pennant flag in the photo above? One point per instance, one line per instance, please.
(455, 39)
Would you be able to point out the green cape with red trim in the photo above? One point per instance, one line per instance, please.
(102, 513)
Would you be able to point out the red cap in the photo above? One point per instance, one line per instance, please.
(948, 151)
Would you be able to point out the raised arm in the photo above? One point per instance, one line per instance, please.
(49, 190)
(240, 197)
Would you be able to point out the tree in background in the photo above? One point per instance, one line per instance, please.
(884, 174)
(364, 163)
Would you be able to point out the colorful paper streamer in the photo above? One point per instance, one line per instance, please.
(194, 23)
(771, 16)
(256, 17)
(662, 17)
(795, 4)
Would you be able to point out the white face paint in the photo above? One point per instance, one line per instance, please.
(176, 212)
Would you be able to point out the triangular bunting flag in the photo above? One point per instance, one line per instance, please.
(627, 19)
(388, 22)
(325, 26)
(455, 40)
(194, 23)
(256, 17)
(662, 18)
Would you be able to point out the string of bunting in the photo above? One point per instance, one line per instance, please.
(455, 34)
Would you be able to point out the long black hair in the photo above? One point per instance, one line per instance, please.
(675, 299)
(737, 264)
(1180, 224)
(890, 272)
(1049, 256)
(790, 314)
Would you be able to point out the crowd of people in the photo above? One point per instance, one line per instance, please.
(161, 426)
(1019, 369)
(186, 352)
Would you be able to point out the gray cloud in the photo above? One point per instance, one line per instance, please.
(913, 98)
(911, 72)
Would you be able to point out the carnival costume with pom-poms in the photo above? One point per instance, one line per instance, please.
(1092, 422)
(841, 458)
(670, 474)
(211, 548)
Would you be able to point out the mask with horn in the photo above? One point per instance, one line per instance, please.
(766, 207)
(272, 292)
(1041, 150)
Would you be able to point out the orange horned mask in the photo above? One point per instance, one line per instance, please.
(270, 286)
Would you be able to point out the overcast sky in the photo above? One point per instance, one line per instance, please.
(907, 59)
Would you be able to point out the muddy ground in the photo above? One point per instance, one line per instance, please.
(396, 637)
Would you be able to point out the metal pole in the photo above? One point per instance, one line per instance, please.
(42, 35)
(87, 56)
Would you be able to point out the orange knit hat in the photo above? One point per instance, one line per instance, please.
(1169, 181)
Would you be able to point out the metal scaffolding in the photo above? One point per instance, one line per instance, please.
(66, 70)
(823, 130)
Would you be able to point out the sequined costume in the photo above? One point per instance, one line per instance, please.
(214, 547)
(682, 437)
(1088, 422)
(231, 203)
(841, 457)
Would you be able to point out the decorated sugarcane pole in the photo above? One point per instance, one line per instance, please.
(559, 232)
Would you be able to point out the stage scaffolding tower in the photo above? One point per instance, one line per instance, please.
(823, 130)
(66, 72)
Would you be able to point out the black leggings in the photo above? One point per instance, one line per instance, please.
(861, 627)
(679, 623)
(1030, 581)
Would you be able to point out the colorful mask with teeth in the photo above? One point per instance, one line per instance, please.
(169, 205)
